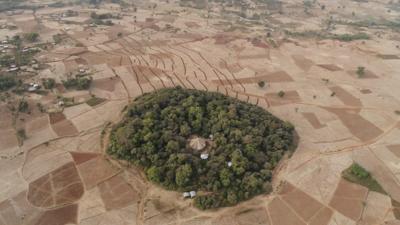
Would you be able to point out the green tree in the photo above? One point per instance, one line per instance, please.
(23, 106)
(154, 174)
(360, 71)
(48, 83)
(183, 174)
(172, 146)
(7, 82)
(31, 37)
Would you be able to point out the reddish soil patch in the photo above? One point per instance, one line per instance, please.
(222, 39)
(61, 216)
(276, 77)
(387, 57)
(282, 214)
(366, 91)
(60, 187)
(302, 62)
(107, 84)
(60, 88)
(322, 218)
(81, 157)
(65, 128)
(313, 120)
(345, 96)
(289, 98)
(258, 43)
(297, 199)
(330, 67)
(117, 193)
(56, 117)
(252, 217)
(346, 189)
(351, 208)
(395, 149)
(286, 188)
(357, 125)
(191, 24)
(95, 171)
(348, 199)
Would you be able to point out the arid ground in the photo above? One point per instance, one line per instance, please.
(61, 175)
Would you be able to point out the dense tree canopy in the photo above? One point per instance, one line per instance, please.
(247, 143)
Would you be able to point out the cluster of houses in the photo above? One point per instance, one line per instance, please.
(4, 46)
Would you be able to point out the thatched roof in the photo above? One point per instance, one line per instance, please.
(197, 143)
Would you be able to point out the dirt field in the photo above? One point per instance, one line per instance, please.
(59, 174)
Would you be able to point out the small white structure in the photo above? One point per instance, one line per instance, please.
(35, 66)
(197, 143)
(211, 137)
(33, 87)
(61, 103)
(204, 155)
(13, 69)
(186, 194)
(82, 70)
(229, 164)
(192, 194)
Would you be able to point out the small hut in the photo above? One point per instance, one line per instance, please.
(197, 143)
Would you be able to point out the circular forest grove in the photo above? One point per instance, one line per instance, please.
(187, 140)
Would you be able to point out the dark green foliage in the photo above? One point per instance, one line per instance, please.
(360, 71)
(358, 171)
(48, 83)
(261, 84)
(7, 82)
(95, 101)
(281, 94)
(31, 37)
(324, 35)
(21, 136)
(357, 174)
(79, 83)
(58, 38)
(351, 37)
(6, 60)
(23, 106)
(154, 134)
